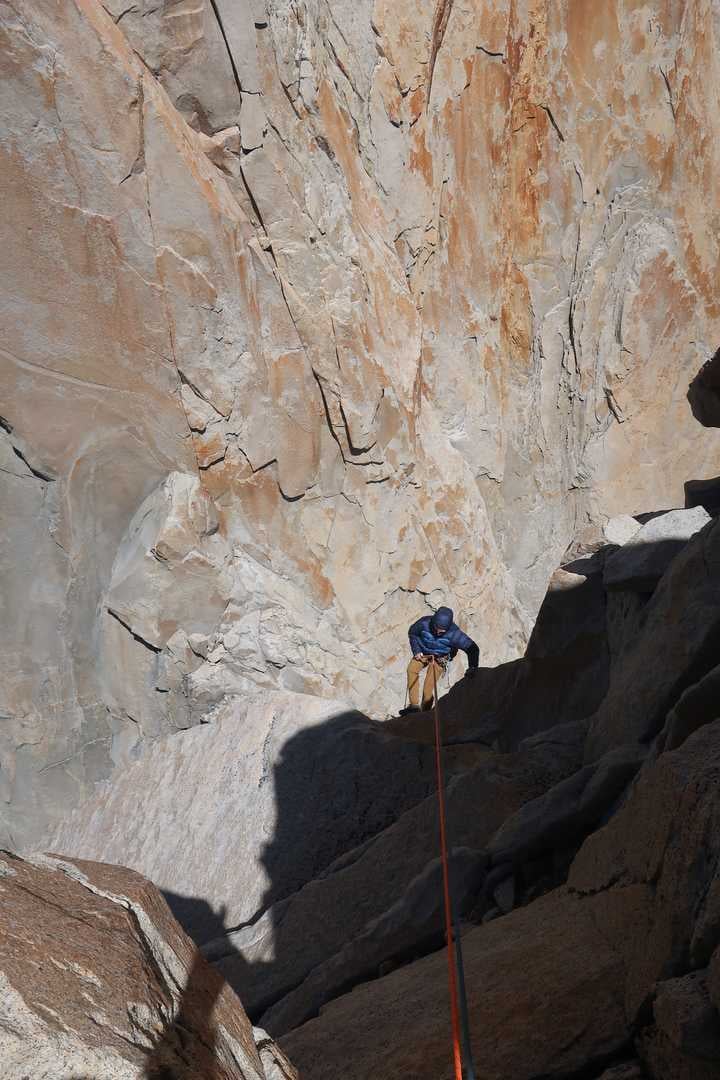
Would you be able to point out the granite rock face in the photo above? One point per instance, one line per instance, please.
(624, 955)
(297, 841)
(99, 981)
(245, 810)
(408, 296)
(401, 1023)
(675, 648)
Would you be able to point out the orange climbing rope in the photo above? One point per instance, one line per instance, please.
(458, 1002)
(452, 973)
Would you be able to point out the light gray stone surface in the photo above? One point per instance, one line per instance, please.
(645, 557)
(619, 530)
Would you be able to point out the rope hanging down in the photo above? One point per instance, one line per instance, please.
(458, 1001)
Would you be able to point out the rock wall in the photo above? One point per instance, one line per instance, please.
(297, 841)
(127, 998)
(319, 313)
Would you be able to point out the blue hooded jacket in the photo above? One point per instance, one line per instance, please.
(423, 640)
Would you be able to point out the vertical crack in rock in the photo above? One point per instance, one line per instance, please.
(440, 24)
(231, 58)
(328, 416)
(671, 102)
(158, 264)
(261, 222)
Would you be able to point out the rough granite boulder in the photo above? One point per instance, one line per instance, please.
(568, 811)
(619, 530)
(665, 837)
(643, 893)
(524, 972)
(685, 1014)
(645, 556)
(676, 643)
(98, 981)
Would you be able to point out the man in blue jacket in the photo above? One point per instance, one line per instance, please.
(435, 637)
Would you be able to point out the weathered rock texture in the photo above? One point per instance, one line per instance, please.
(626, 952)
(98, 981)
(297, 840)
(247, 809)
(364, 304)
(545, 996)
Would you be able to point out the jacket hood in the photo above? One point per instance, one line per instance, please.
(442, 619)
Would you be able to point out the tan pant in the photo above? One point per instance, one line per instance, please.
(414, 671)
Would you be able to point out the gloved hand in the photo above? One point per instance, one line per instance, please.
(471, 673)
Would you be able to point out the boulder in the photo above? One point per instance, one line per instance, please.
(567, 811)
(524, 973)
(621, 529)
(666, 837)
(645, 556)
(414, 925)
(98, 980)
(241, 812)
(685, 1014)
(698, 705)
(677, 642)
(663, 1061)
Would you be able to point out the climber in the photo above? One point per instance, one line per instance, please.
(435, 637)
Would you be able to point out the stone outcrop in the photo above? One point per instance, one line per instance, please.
(524, 973)
(309, 832)
(408, 296)
(380, 904)
(626, 953)
(645, 556)
(677, 646)
(98, 981)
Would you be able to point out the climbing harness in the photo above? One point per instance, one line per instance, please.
(444, 669)
(462, 1049)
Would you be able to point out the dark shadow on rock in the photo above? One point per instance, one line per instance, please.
(705, 493)
(337, 785)
(195, 1017)
(187, 1047)
(704, 393)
